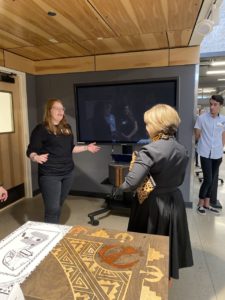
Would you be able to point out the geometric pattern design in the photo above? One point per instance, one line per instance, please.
(147, 294)
(87, 278)
(153, 254)
(87, 275)
(101, 264)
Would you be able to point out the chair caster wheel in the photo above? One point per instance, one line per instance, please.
(94, 222)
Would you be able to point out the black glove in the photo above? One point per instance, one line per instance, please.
(118, 195)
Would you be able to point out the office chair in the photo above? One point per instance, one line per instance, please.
(201, 178)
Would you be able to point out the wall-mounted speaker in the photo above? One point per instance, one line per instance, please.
(207, 19)
(7, 78)
(204, 27)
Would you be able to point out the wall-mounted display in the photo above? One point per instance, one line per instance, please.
(113, 113)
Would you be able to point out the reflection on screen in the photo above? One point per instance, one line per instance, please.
(113, 113)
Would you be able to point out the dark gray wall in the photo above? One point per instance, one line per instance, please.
(91, 169)
(32, 119)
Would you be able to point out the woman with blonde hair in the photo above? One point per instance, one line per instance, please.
(163, 212)
(51, 147)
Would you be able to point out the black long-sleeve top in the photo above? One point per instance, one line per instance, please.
(59, 147)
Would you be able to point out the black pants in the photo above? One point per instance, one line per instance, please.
(54, 191)
(210, 169)
(196, 159)
(213, 198)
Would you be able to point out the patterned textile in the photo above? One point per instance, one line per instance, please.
(101, 264)
(147, 185)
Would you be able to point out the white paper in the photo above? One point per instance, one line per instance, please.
(23, 250)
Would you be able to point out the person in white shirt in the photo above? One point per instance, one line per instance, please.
(210, 134)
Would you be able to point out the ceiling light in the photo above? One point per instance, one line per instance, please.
(205, 93)
(221, 79)
(215, 72)
(54, 41)
(206, 90)
(203, 97)
(218, 63)
(51, 14)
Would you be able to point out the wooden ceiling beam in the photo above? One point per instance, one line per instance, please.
(184, 56)
(142, 59)
(18, 63)
(66, 65)
(2, 61)
(131, 60)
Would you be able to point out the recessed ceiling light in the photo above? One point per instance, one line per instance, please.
(51, 13)
(218, 63)
(215, 72)
(221, 79)
(54, 41)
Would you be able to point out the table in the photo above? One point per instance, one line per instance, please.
(99, 264)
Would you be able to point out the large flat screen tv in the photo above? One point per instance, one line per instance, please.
(113, 113)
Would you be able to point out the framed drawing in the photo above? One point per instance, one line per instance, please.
(6, 112)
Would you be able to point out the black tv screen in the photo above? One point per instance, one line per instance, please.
(113, 113)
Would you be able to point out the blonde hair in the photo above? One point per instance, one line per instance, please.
(63, 127)
(161, 119)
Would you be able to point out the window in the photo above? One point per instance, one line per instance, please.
(6, 112)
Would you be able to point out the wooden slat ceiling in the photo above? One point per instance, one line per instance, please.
(92, 27)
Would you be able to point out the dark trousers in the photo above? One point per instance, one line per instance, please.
(54, 191)
(210, 169)
(213, 198)
(196, 159)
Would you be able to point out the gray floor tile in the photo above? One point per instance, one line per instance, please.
(204, 281)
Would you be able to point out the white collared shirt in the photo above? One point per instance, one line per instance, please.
(210, 144)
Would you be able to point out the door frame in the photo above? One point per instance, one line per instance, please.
(24, 119)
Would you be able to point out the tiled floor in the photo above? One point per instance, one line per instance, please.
(204, 281)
